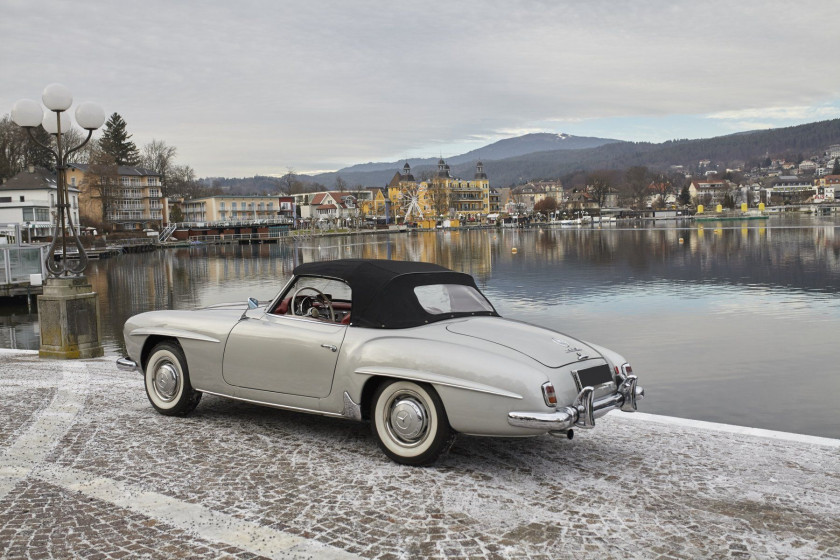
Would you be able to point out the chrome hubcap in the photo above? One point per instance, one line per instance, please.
(407, 420)
(166, 381)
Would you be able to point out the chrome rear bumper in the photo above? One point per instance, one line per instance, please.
(584, 410)
(127, 364)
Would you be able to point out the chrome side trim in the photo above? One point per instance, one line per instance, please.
(127, 364)
(280, 406)
(175, 333)
(436, 379)
(581, 414)
(352, 410)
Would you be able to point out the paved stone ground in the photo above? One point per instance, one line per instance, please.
(89, 470)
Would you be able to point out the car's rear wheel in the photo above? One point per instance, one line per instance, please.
(409, 422)
(168, 381)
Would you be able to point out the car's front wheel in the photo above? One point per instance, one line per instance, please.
(409, 422)
(168, 381)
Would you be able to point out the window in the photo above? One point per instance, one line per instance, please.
(5, 198)
(22, 198)
(312, 304)
(438, 299)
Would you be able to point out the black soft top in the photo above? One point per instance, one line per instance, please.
(383, 291)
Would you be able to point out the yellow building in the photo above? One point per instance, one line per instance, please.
(122, 197)
(376, 206)
(246, 208)
(442, 196)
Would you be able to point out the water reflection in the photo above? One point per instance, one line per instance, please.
(725, 322)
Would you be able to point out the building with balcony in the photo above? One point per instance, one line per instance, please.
(120, 197)
(237, 209)
(442, 195)
(708, 191)
(30, 198)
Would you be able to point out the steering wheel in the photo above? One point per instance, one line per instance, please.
(312, 311)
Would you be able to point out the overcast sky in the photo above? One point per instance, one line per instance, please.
(256, 87)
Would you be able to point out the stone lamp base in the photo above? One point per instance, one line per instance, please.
(68, 312)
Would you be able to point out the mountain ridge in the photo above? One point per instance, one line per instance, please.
(805, 139)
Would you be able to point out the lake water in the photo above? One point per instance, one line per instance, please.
(730, 322)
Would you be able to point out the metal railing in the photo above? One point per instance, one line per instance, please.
(166, 233)
(239, 237)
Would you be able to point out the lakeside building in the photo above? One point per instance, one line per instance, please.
(30, 198)
(333, 204)
(580, 201)
(237, 208)
(709, 191)
(827, 188)
(523, 199)
(787, 188)
(375, 207)
(441, 196)
(124, 197)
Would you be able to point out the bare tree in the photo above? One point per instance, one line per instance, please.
(546, 205)
(662, 187)
(340, 184)
(290, 183)
(599, 184)
(183, 182)
(101, 185)
(637, 180)
(160, 158)
(17, 150)
(439, 197)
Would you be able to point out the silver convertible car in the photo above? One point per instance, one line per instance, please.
(412, 347)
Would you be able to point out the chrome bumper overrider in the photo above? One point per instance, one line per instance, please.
(584, 411)
(127, 364)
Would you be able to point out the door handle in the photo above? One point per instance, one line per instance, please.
(329, 347)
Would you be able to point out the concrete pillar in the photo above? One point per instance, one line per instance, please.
(68, 312)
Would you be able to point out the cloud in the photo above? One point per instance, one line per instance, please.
(258, 86)
(802, 113)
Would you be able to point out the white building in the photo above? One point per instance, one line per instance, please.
(30, 198)
(331, 204)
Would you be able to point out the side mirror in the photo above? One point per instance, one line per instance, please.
(253, 303)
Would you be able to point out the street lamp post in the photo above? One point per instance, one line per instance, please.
(68, 310)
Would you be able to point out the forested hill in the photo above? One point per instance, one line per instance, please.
(747, 148)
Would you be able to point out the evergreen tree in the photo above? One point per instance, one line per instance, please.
(836, 169)
(117, 143)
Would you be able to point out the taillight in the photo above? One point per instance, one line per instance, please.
(624, 371)
(549, 395)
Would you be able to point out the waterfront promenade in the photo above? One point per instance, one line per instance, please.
(89, 470)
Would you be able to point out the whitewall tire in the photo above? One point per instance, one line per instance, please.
(168, 381)
(409, 422)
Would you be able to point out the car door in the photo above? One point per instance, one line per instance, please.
(283, 354)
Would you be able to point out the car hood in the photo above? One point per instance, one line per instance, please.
(549, 348)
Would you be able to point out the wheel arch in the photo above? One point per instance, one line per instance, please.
(151, 342)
